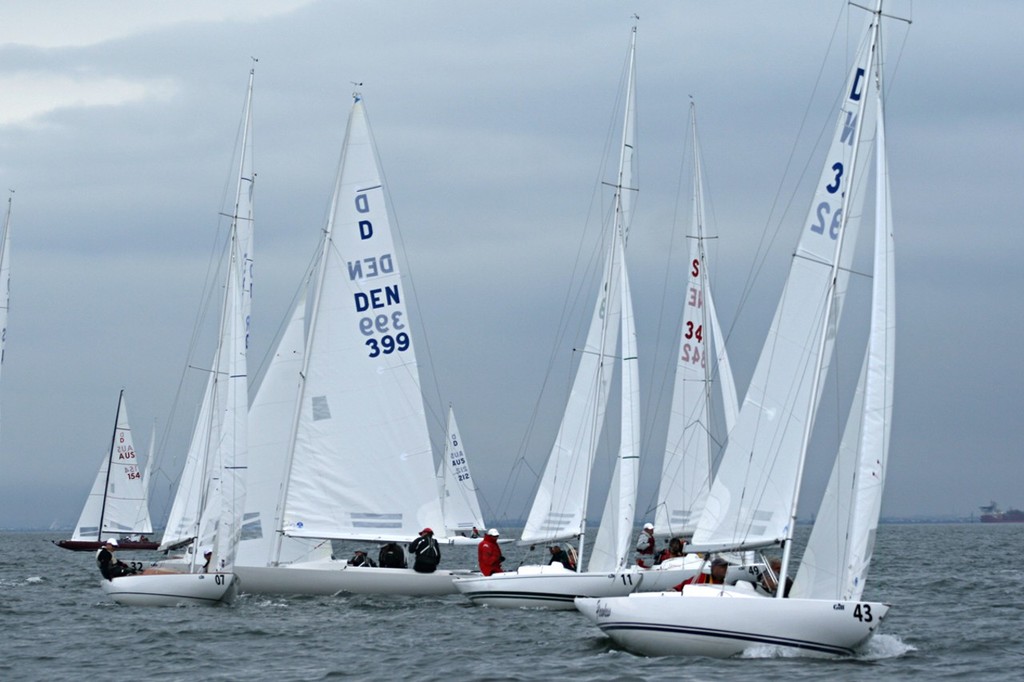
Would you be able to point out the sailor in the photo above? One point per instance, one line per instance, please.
(110, 567)
(359, 558)
(558, 556)
(488, 553)
(426, 551)
(391, 556)
(645, 546)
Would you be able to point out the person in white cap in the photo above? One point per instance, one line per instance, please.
(488, 553)
(110, 567)
(645, 546)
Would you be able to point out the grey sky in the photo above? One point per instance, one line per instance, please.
(118, 121)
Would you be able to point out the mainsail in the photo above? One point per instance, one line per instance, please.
(360, 410)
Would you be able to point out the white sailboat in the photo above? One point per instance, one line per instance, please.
(357, 406)
(182, 528)
(118, 503)
(560, 505)
(460, 504)
(754, 505)
(222, 430)
(702, 370)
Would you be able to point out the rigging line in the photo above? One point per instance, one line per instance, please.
(762, 251)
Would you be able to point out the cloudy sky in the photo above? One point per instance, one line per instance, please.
(118, 123)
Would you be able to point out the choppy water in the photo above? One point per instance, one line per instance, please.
(958, 613)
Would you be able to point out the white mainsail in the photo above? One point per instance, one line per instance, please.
(360, 409)
(702, 364)
(560, 504)
(752, 500)
(192, 493)
(459, 502)
(835, 562)
(117, 503)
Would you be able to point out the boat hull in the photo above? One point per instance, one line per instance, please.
(545, 587)
(93, 545)
(331, 577)
(172, 589)
(710, 621)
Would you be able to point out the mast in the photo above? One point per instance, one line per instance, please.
(698, 201)
(826, 319)
(620, 228)
(110, 464)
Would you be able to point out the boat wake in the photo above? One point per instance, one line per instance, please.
(879, 647)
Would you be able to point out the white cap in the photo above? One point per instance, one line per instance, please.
(111, 541)
(493, 532)
(648, 526)
(207, 550)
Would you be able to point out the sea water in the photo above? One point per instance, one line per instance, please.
(957, 595)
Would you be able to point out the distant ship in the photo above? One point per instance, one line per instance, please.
(992, 514)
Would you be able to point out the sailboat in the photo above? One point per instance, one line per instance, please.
(358, 461)
(560, 505)
(753, 500)
(118, 504)
(460, 505)
(702, 369)
(182, 528)
(223, 431)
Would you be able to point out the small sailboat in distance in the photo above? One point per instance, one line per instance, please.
(118, 504)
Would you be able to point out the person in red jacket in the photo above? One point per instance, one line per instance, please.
(489, 553)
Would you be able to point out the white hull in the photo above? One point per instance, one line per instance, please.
(710, 621)
(545, 587)
(172, 589)
(330, 577)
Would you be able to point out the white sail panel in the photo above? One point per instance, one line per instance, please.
(613, 543)
(231, 437)
(118, 497)
(752, 497)
(361, 411)
(459, 500)
(270, 426)
(687, 463)
(838, 553)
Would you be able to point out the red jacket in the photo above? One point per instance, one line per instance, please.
(489, 554)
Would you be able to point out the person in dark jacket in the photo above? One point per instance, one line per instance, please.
(391, 556)
(489, 553)
(558, 556)
(360, 559)
(426, 551)
(111, 567)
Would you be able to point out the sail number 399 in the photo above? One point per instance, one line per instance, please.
(385, 335)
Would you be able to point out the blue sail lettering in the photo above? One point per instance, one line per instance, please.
(855, 92)
(365, 229)
(849, 128)
(362, 203)
(370, 267)
(377, 298)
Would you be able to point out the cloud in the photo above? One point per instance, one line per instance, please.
(41, 93)
(90, 23)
